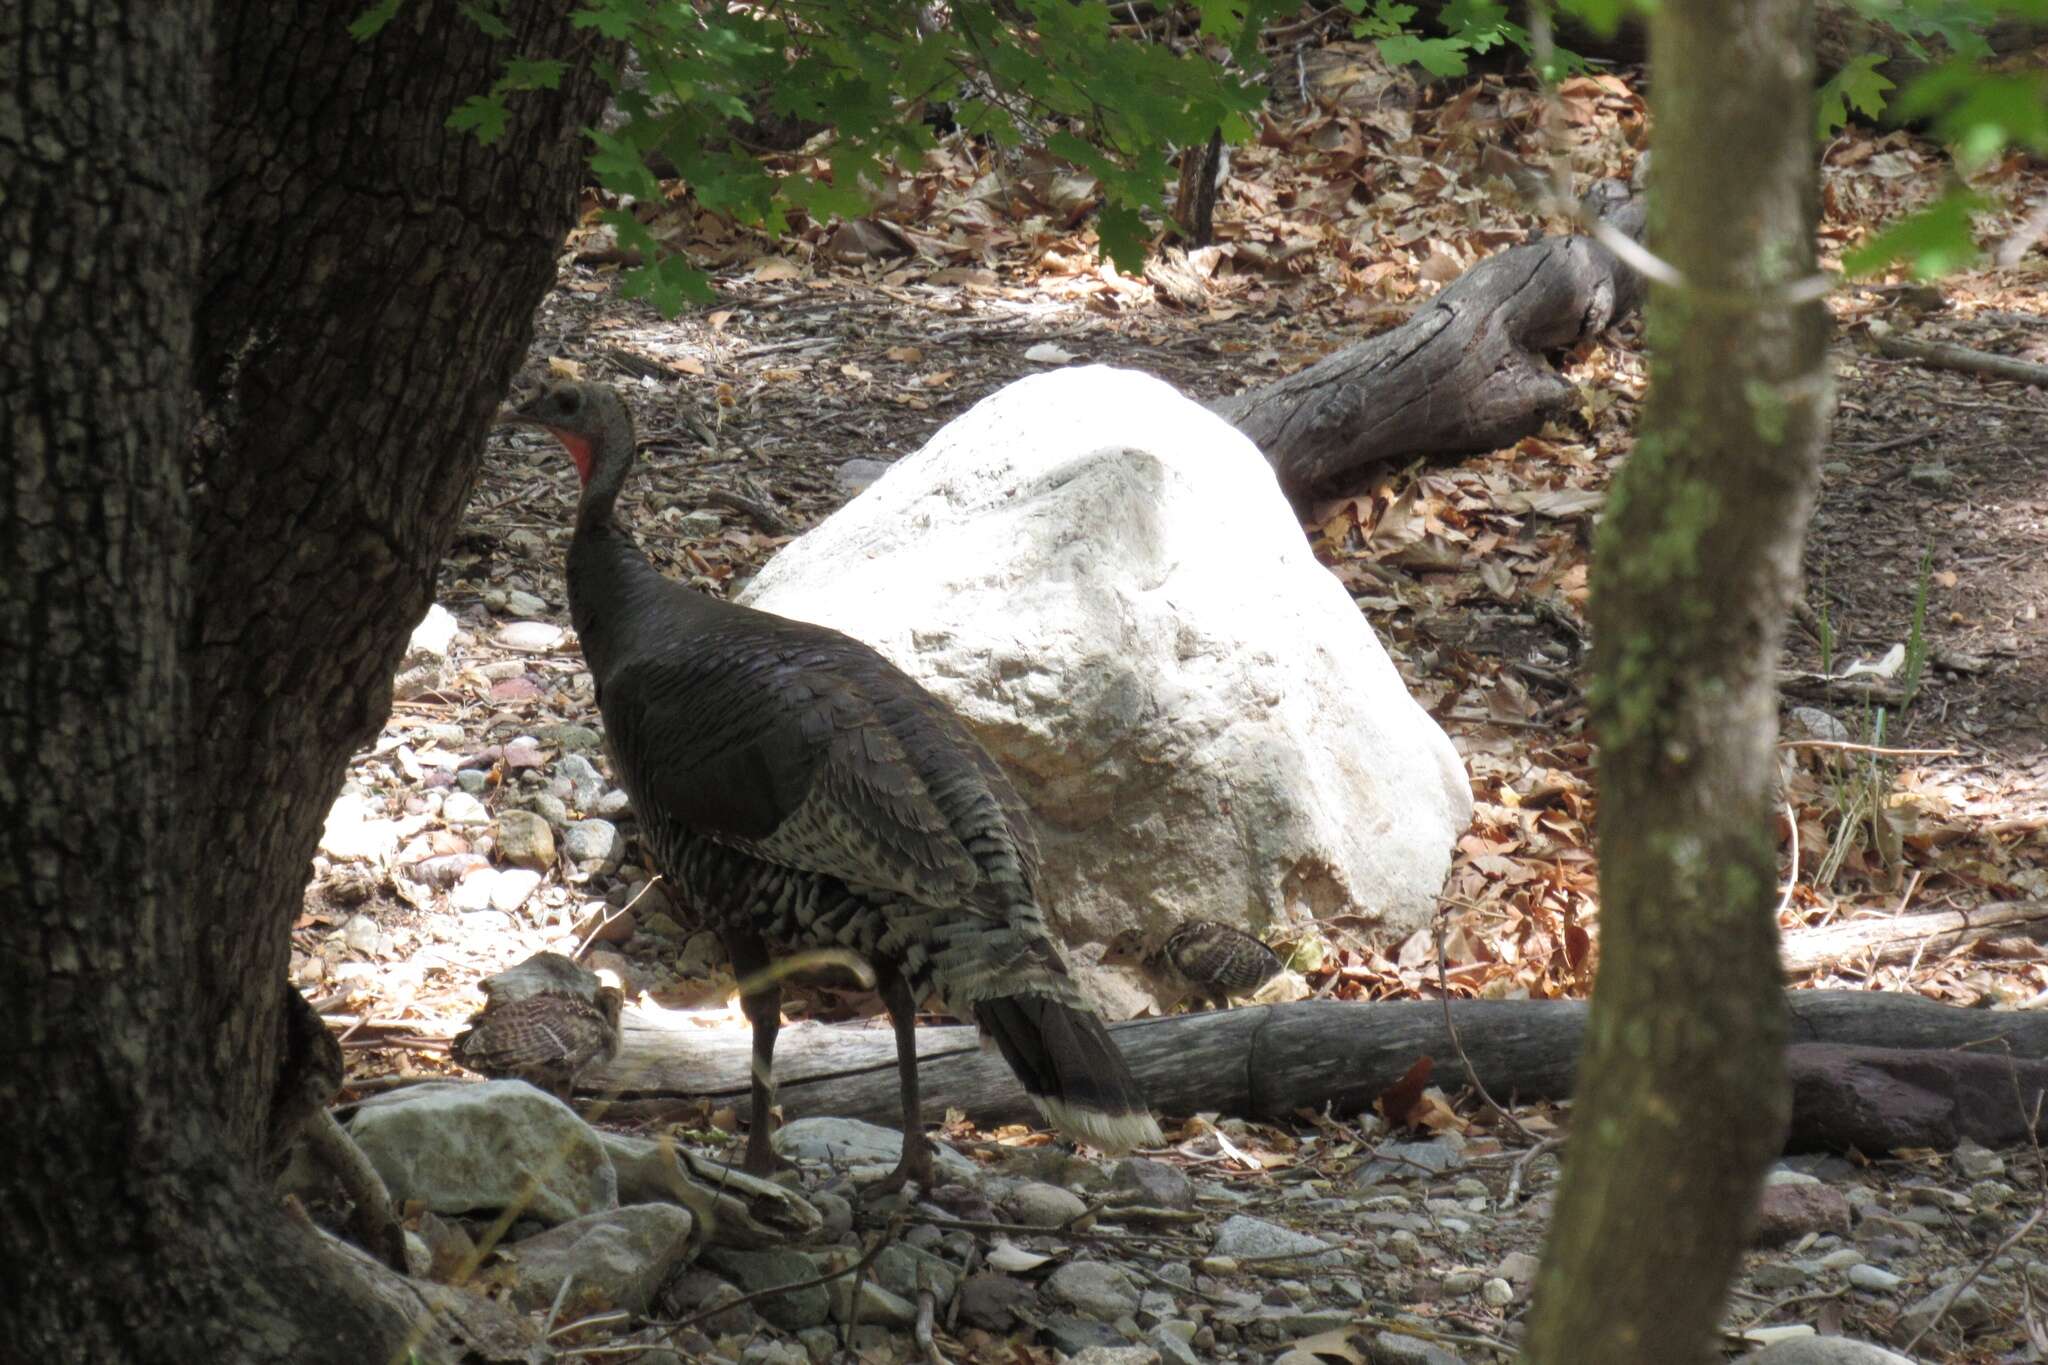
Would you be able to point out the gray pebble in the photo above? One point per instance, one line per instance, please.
(1039, 1205)
(1093, 1289)
(595, 844)
(525, 840)
(362, 935)
(550, 808)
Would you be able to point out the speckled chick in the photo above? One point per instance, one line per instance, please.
(545, 1033)
(1216, 961)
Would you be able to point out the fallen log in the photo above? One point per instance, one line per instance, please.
(1261, 1062)
(1901, 938)
(1945, 356)
(1469, 371)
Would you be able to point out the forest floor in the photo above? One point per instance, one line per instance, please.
(1366, 192)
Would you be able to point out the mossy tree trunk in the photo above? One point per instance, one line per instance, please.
(260, 305)
(1682, 1097)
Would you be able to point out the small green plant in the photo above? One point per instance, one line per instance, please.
(1826, 631)
(1860, 792)
(1915, 666)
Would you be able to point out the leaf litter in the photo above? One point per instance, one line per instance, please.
(1364, 192)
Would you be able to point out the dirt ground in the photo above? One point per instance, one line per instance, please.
(1348, 212)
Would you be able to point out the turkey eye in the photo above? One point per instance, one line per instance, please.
(568, 400)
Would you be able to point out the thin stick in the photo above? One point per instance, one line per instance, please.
(1443, 981)
(554, 1309)
(927, 1306)
(859, 1267)
(1950, 1302)
(609, 916)
(1867, 748)
(1792, 879)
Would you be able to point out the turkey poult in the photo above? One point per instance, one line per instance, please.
(546, 1021)
(1214, 960)
(803, 792)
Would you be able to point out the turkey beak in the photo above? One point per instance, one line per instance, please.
(521, 416)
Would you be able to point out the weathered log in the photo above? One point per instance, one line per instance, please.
(1263, 1062)
(1467, 372)
(1900, 938)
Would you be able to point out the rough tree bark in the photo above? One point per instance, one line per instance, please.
(203, 601)
(1682, 1097)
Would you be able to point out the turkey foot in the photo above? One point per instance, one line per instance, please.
(915, 1164)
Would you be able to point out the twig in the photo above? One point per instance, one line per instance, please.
(967, 1269)
(1522, 1163)
(769, 520)
(1443, 981)
(1408, 1329)
(609, 916)
(554, 1309)
(604, 1319)
(1892, 443)
(1025, 1230)
(1943, 356)
(1792, 878)
(1850, 747)
(860, 1267)
(1983, 1265)
(921, 1332)
(372, 1219)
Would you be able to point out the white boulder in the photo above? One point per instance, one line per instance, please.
(1104, 579)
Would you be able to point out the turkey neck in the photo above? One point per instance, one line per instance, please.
(619, 602)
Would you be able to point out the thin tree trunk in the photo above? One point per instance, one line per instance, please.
(1682, 1099)
(201, 622)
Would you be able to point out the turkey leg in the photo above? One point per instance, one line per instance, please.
(763, 1007)
(916, 1161)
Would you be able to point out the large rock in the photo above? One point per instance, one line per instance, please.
(458, 1148)
(615, 1259)
(1105, 581)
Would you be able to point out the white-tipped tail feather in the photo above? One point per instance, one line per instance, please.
(1113, 1133)
(1071, 1069)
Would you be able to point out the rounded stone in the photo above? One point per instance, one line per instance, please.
(1093, 1289)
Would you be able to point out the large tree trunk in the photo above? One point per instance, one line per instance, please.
(1682, 1097)
(201, 622)
(369, 289)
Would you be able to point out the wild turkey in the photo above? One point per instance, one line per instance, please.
(802, 792)
(546, 1021)
(1215, 961)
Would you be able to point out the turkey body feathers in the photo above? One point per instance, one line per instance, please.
(795, 783)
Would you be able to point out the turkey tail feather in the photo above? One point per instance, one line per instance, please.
(1071, 1070)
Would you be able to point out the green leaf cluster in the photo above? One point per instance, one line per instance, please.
(1048, 73)
(1470, 27)
(1980, 112)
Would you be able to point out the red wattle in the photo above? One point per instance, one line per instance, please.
(579, 451)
